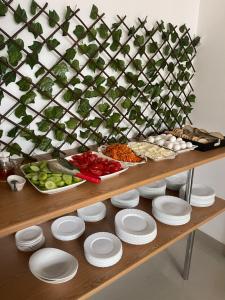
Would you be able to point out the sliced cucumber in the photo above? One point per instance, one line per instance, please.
(60, 183)
(34, 168)
(50, 185)
(42, 176)
(67, 178)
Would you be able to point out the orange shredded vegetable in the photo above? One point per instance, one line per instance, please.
(121, 152)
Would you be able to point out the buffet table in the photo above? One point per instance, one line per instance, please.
(28, 207)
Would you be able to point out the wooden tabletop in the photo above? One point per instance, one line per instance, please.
(17, 282)
(28, 207)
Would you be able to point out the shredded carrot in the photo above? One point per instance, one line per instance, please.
(121, 152)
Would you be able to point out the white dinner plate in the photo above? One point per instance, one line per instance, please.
(103, 249)
(126, 200)
(92, 213)
(29, 235)
(172, 206)
(176, 181)
(169, 221)
(53, 264)
(68, 228)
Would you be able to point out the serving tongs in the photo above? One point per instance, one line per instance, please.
(64, 166)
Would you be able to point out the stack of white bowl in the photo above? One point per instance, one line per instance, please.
(30, 239)
(201, 195)
(152, 190)
(135, 226)
(175, 182)
(53, 265)
(68, 228)
(103, 249)
(126, 200)
(92, 213)
(171, 210)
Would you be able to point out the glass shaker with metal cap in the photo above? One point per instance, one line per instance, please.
(6, 165)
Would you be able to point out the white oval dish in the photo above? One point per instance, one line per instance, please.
(152, 190)
(126, 200)
(92, 213)
(29, 235)
(53, 265)
(170, 221)
(201, 195)
(103, 249)
(68, 228)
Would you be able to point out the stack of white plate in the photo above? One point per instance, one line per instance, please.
(153, 190)
(175, 182)
(171, 210)
(126, 200)
(53, 266)
(68, 228)
(29, 239)
(103, 249)
(92, 213)
(135, 226)
(201, 195)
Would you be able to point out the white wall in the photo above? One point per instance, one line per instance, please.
(209, 111)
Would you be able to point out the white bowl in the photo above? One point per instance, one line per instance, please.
(53, 264)
(92, 213)
(153, 190)
(19, 184)
(68, 228)
(175, 182)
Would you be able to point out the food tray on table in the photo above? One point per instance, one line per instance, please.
(103, 157)
(102, 149)
(40, 171)
(209, 146)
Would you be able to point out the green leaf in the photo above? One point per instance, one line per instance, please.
(14, 51)
(196, 41)
(58, 133)
(182, 28)
(46, 84)
(75, 80)
(103, 31)
(126, 104)
(139, 40)
(174, 37)
(103, 46)
(1, 133)
(166, 50)
(27, 134)
(92, 34)
(116, 35)
(1, 96)
(96, 122)
(60, 69)
(77, 93)
(39, 72)
(112, 120)
(3, 65)
(88, 80)
(44, 143)
(70, 54)
(24, 83)
(71, 139)
(84, 134)
(3, 9)
(137, 64)
(100, 63)
(75, 64)
(54, 112)
(80, 32)
(103, 107)
(142, 50)
(14, 149)
(99, 80)
(153, 47)
(12, 133)
(94, 12)
(131, 31)
(33, 7)
(53, 18)
(20, 15)
(69, 12)
(2, 40)
(32, 59)
(26, 120)
(52, 44)
(43, 125)
(27, 98)
(20, 111)
(125, 49)
(65, 28)
(36, 47)
(35, 28)
(9, 77)
(72, 123)
(161, 63)
(84, 108)
(91, 50)
(68, 96)
(170, 67)
(191, 98)
(111, 81)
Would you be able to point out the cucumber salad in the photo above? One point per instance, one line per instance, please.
(42, 177)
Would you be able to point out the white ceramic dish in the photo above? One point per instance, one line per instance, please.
(135, 226)
(33, 247)
(169, 221)
(52, 265)
(103, 249)
(29, 235)
(125, 168)
(153, 190)
(102, 148)
(19, 184)
(126, 200)
(92, 213)
(175, 182)
(201, 195)
(68, 228)
(172, 206)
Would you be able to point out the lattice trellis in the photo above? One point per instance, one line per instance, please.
(112, 83)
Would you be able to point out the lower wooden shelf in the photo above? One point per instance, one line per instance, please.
(17, 282)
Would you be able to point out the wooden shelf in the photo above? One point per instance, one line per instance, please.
(16, 281)
(28, 207)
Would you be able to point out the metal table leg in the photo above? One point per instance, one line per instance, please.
(190, 240)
